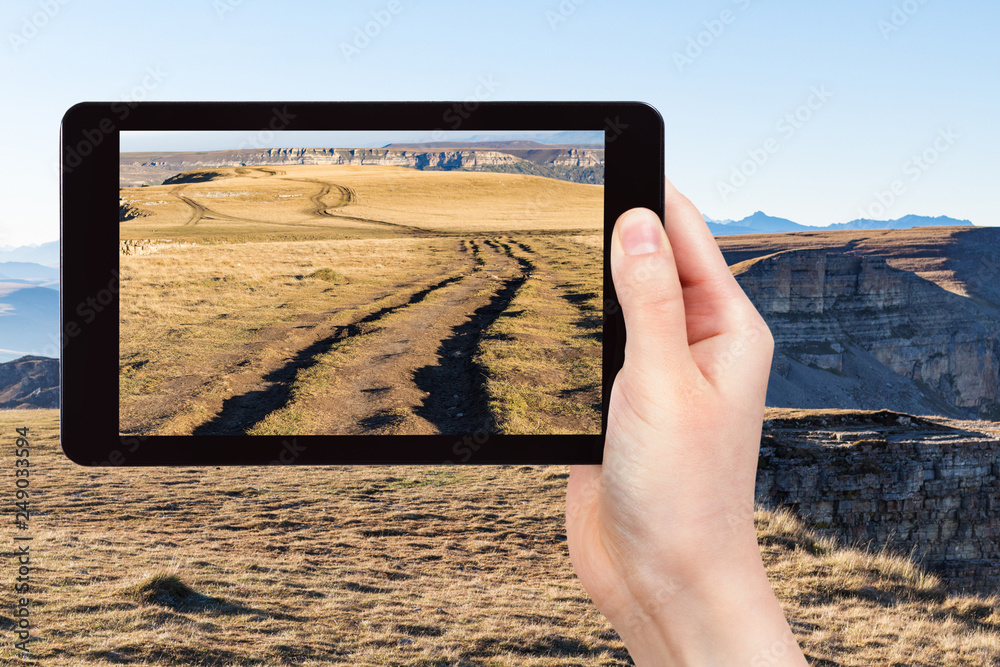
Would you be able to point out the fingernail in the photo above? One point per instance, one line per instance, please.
(640, 232)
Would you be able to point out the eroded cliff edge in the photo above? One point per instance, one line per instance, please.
(905, 320)
(930, 487)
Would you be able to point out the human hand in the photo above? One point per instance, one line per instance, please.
(662, 535)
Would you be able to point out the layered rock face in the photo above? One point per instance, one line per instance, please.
(366, 156)
(930, 488)
(851, 331)
(570, 164)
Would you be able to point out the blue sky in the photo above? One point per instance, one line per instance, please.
(809, 111)
(167, 140)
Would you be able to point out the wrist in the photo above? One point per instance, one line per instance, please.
(726, 615)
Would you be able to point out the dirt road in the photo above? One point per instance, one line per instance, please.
(414, 373)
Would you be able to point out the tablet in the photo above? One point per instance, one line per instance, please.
(311, 283)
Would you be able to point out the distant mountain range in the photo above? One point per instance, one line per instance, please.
(578, 137)
(46, 254)
(29, 300)
(29, 272)
(762, 223)
(29, 320)
(488, 145)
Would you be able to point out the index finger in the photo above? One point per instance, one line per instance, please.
(713, 300)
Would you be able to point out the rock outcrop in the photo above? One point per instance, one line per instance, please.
(130, 247)
(127, 210)
(853, 331)
(926, 487)
(29, 382)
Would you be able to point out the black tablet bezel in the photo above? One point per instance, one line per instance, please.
(89, 156)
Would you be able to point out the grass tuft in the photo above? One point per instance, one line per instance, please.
(328, 275)
(163, 589)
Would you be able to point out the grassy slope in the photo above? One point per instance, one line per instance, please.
(398, 565)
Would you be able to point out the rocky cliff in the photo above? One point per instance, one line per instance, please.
(582, 165)
(853, 329)
(888, 480)
(29, 382)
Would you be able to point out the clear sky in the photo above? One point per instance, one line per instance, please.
(805, 110)
(172, 140)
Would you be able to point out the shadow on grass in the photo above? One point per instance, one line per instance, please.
(167, 590)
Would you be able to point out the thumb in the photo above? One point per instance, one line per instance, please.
(649, 291)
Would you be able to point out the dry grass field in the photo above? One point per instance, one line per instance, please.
(349, 300)
(333, 201)
(421, 566)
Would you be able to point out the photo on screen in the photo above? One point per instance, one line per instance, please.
(360, 283)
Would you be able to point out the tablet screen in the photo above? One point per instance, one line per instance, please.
(345, 282)
(360, 283)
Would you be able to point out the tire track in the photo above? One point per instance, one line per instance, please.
(345, 196)
(411, 370)
(243, 171)
(467, 410)
(579, 295)
(547, 372)
(416, 374)
(199, 211)
(269, 388)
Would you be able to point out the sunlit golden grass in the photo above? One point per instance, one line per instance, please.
(851, 606)
(363, 202)
(540, 360)
(542, 356)
(200, 324)
(204, 322)
(418, 565)
(189, 312)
